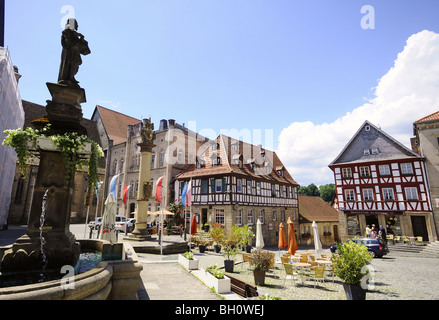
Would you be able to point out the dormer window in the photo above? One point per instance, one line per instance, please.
(367, 128)
(374, 150)
(366, 152)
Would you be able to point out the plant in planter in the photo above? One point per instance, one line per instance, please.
(229, 244)
(215, 278)
(261, 264)
(246, 235)
(206, 227)
(350, 265)
(217, 234)
(203, 242)
(187, 260)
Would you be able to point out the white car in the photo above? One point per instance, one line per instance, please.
(120, 223)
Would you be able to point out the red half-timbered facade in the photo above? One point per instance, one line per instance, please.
(380, 181)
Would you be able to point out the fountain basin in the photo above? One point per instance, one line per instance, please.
(109, 280)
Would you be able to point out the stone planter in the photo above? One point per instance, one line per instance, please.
(188, 264)
(220, 285)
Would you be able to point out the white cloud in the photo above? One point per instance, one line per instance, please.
(406, 93)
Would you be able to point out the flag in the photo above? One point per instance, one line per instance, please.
(189, 194)
(158, 190)
(183, 195)
(125, 192)
(113, 185)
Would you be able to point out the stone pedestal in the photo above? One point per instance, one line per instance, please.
(145, 188)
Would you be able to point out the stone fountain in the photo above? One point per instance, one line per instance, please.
(48, 243)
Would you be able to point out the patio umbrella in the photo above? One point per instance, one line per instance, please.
(108, 230)
(194, 225)
(259, 238)
(282, 238)
(292, 242)
(317, 242)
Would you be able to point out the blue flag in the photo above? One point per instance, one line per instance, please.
(113, 185)
(183, 195)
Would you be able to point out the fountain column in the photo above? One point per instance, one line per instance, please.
(145, 188)
(64, 114)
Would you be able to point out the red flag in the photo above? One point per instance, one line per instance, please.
(189, 194)
(125, 192)
(158, 190)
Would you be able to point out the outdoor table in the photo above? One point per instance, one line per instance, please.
(301, 265)
(324, 262)
(412, 240)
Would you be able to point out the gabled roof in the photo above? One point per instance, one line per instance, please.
(316, 209)
(254, 161)
(388, 147)
(431, 117)
(115, 123)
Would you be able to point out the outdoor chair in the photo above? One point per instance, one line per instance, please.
(405, 239)
(396, 239)
(318, 275)
(312, 258)
(289, 271)
(419, 240)
(285, 259)
(304, 259)
(246, 257)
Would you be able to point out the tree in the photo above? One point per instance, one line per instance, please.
(310, 190)
(327, 192)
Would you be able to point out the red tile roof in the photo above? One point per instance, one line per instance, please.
(116, 124)
(316, 209)
(433, 116)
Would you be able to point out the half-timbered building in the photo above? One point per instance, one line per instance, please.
(234, 182)
(379, 181)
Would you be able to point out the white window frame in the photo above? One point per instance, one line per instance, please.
(238, 219)
(250, 217)
(411, 193)
(388, 194)
(261, 216)
(346, 173)
(406, 168)
(384, 170)
(364, 172)
(349, 195)
(368, 195)
(220, 216)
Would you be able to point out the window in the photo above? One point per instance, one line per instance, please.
(366, 152)
(411, 193)
(239, 185)
(219, 216)
(273, 190)
(238, 220)
(204, 186)
(282, 191)
(249, 187)
(162, 158)
(219, 186)
(384, 170)
(258, 188)
(115, 167)
(180, 156)
(261, 216)
(406, 168)
(274, 215)
(250, 218)
(374, 150)
(349, 195)
(368, 194)
(388, 194)
(282, 215)
(347, 173)
(364, 171)
(121, 165)
(152, 160)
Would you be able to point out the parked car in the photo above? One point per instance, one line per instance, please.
(376, 247)
(120, 223)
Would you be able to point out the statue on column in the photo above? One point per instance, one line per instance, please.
(74, 45)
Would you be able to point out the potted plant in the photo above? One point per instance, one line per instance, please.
(229, 244)
(202, 244)
(206, 227)
(215, 278)
(350, 265)
(247, 236)
(217, 234)
(187, 260)
(261, 264)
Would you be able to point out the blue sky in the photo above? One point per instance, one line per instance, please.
(226, 64)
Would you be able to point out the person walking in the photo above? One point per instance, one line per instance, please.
(368, 230)
(382, 234)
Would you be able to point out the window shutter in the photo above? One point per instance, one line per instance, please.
(212, 185)
(224, 184)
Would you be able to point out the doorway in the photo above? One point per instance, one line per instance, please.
(419, 227)
(372, 219)
(204, 216)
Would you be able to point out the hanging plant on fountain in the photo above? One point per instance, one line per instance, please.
(25, 142)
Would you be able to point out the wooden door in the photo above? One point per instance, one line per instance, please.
(419, 227)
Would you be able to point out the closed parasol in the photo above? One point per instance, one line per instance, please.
(259, 238)
(292, 242)
(194, 225)
(108, 230)
(282, 237)
(317, 242)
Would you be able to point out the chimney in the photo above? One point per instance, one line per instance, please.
(171, 123)
(163, 125)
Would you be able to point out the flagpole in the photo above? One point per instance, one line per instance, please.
(190, 206)
(88, 211)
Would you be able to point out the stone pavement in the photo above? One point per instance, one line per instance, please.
(397, 276)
